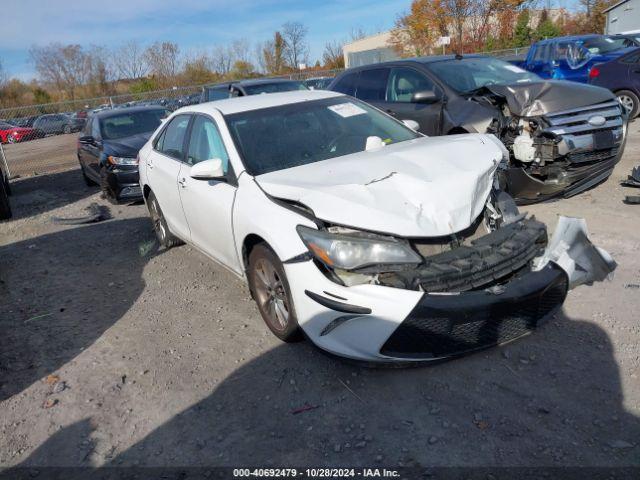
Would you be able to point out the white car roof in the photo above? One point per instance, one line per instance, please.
(254, 102)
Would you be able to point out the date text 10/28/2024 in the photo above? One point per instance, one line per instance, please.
(315, 472)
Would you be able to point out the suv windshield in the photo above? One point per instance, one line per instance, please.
(469, 74)
(297, 134)
(132, 123)
(274, 87)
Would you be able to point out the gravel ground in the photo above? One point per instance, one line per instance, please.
(116, 353)
(42, 155)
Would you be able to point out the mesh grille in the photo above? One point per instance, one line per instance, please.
(444, 330)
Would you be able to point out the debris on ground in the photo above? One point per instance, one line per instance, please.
(95, 213)
(51, 379)
(632, 199)
(38, 317)
(305, 408)
(632, 180)
(50, 402)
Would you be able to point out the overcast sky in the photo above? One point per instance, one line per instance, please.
(194, 24)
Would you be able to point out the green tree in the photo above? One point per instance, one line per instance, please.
(143, 85)
(522, 31)
(41, 96)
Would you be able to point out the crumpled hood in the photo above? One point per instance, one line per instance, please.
(428, 187)
(538, 98)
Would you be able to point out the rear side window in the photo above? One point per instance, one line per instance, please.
(347, 84)
(404, 82)
(171, 140)
(372, 84)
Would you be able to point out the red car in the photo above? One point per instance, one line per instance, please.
(12, 134)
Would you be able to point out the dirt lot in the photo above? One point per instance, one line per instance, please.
(147, 357)
(44, 155)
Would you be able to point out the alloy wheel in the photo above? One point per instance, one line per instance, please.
(156, 219)
(271, 295)
(627, 102)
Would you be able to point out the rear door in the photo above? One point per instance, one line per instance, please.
(402, 84)
(163, 167)
(208, 204)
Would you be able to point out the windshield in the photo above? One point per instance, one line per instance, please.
(287, 136)
(600, 45)
(469, 74)
(132, 123)
(274, 87)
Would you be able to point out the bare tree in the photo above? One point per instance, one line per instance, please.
(65, 66)
(241, 51)
(332, 57)
(296, 50)
(130, 61)
(163, 61)
(100, 70)
(222, 59)
(357, 33)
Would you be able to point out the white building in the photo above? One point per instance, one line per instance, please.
(367, 50)
(623, 17)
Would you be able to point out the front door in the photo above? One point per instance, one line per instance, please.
(163, 167)
(402, 84)
(208, 204)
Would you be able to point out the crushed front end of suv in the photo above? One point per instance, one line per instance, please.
(378, 243)
(562, 137)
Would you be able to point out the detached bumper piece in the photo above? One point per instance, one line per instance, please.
(442, 326)
(488, 259)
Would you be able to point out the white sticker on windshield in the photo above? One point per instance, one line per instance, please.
(346, 110)
(513, 68)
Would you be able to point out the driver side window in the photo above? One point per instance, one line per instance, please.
(404, 82)
(206, 143)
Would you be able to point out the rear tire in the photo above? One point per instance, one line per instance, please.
(11, 139)
(164, 235)
(629, 101)
(270, 289)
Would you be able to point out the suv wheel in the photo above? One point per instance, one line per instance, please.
(66, 129)
(270, 289)
(629, 101)
(165, 237)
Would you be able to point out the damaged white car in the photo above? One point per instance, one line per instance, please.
(378, 243)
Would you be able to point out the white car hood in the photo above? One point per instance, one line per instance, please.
(426, 187)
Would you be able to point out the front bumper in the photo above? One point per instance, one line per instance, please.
(382, 324)
(124, 184)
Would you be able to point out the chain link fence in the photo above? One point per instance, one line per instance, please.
(41, 139)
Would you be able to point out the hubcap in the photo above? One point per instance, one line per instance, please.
(271, 294)
(626, 102)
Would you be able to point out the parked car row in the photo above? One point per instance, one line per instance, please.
(609, 61)
(28, 128)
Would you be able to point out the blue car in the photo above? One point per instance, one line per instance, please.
(571, 58)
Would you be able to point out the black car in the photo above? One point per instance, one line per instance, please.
(57, 123)
(242, 88)
(622, 77)
(561, 138)
(25, 122)
(108, 149)
(5, 190)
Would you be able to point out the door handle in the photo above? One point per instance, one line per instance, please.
(149, 164)
(391, 112)
(183, 182)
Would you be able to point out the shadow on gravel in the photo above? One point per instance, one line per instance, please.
(42, 193)
(92, 275)
(552, 399)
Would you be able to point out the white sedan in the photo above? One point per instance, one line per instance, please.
(378, 243)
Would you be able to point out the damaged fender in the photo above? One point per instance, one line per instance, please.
(571, 249)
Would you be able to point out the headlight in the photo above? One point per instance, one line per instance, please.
(351, 252)
(122, 160)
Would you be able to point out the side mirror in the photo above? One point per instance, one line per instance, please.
(425, 96)
(412, 124)
(207, 170)
(86, 139)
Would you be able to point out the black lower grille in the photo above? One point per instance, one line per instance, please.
(449, 325)
(594, 156)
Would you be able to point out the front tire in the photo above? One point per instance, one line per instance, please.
(629, 102)
(66, 129)
(164, 235)
(11, 139)
(270, 289)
